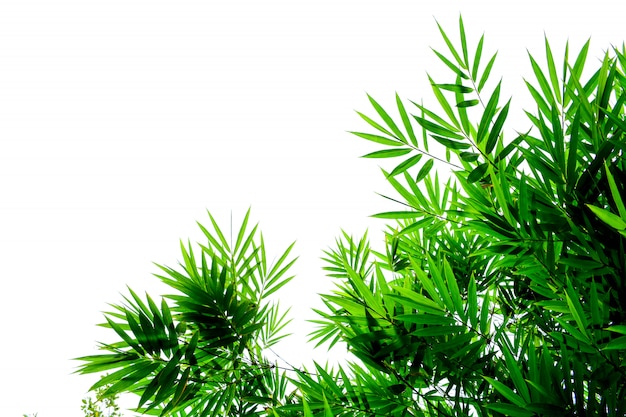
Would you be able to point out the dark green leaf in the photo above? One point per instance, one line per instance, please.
(494, 134)
(478, 173)
(488, 114)
(467, 103)
(469, 156)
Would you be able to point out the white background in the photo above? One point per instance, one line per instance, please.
(121, 122)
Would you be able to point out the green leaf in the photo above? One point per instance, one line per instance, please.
(426, 319)
(477, 173)
(515, 372)
(406, 164)
(607, 217)
(374, 124)
(472, 302)
(437, 129)
(406, 121)
(383, 114)
(467, 103)
(575, 307)
(397, 215)
(616, 344)
(485, 314)
(510, 410)
(433, 331)
(539, 100)
(378, 139)
(420, 302)
(453, 288)
(450, 46)
(458, 71)
(510, 147)
(443, 102)
(305, 408)
(486, 72)
(130, 341)
(552, 71)
(488, 114)
(469, 156)
(424, 170)
(457, 88)
(463, 43)
(477, 56)
(506, 392)
(497, 128)
(615, 193)
(541, 78)
(449, 143)
(328, 412)
(617, 328)
(388, 153)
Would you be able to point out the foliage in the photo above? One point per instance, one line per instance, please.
(202, 352)
(101, 406)
(498, 291)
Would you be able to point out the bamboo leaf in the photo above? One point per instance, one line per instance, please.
(472, 302)
(424, 170)
(552, 71)
(437, 129)
(477, 173)
(497, 128)
(458, 71)
(468, 103)
(617, 328)
(388, 153)
(486, 72)
(490, 111)
(541, 78)
(506, 392)
(457, 88)
(449, 143)
(374, 124)
(515, 372)
(406, 164)
(477, 56)
(390, 123)
(455, 54)
(615, 193)
(397, 215)
(406, 121)
(616, 344)
(463, 43)
(607, 217)
(378, 139)
(469, 156)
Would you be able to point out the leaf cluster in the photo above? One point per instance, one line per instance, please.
(201, 351)
(498, 291)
